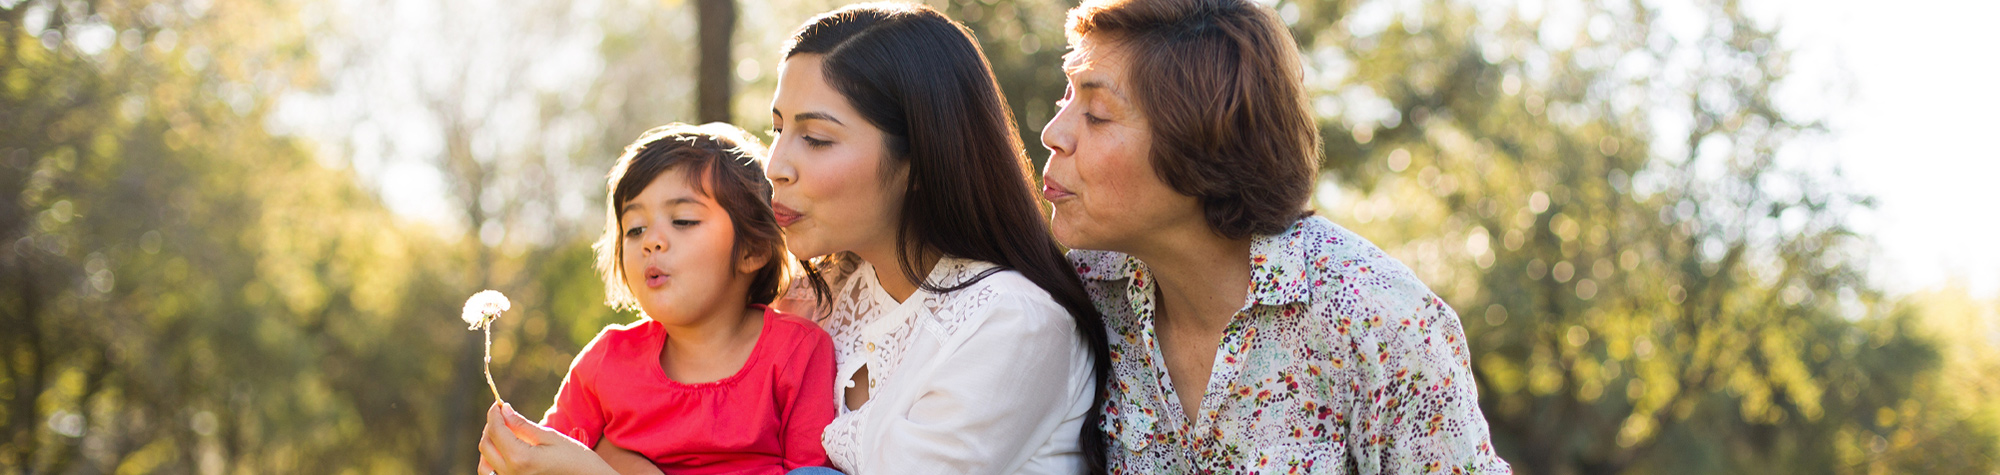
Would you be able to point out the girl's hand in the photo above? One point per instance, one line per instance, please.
(511, 445)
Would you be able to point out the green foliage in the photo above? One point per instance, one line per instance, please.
(184, 291)
(1648, 288)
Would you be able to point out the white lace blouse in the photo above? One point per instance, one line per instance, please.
(992, 378)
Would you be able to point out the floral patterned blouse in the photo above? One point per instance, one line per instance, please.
(1340, 362)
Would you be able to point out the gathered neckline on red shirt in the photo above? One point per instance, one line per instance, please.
(757, 348)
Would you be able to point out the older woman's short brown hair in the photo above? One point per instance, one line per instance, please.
(1224, 92)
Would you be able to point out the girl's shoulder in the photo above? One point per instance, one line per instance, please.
(620, 337)
(613, 342)
(792, 328)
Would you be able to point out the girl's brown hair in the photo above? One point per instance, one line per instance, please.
(724, 163)
(1221, 85)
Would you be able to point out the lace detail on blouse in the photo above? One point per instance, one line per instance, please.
(870, 329)
(842, 439)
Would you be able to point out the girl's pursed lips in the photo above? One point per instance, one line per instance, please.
(655, 277)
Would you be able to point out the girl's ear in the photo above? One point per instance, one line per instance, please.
(752, 260)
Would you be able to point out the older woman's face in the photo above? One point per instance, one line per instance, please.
(1106, 193)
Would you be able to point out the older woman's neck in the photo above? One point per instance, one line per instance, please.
(1202, 277)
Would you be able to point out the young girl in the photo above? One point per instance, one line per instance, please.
(711, 380)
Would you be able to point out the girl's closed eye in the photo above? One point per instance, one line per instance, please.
(685, 223)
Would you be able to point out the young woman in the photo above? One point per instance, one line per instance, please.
(1250, 337)
(965, 342)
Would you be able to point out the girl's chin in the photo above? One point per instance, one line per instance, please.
(659, 308)
(669, 318)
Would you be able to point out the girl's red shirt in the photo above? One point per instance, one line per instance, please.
(766, 418)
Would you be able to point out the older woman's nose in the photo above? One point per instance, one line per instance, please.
(1057, 136)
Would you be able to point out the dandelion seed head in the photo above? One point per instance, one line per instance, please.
(483, 308)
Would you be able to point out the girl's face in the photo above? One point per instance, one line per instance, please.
(1106, 193)
(834, 186)
(677, 253)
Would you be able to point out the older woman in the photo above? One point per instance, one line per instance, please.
(1246, 335)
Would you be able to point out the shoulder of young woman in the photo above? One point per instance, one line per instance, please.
(1002, 296)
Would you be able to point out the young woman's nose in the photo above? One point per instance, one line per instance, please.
(779, 168)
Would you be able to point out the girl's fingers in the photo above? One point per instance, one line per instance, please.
(487, 454)
(528, 431)
(503, 439)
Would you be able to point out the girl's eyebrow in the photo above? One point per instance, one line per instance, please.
(634, 204)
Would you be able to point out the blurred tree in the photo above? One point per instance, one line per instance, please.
(469, 91)
(1649, 284)
(715, 25)
(183, 290)
(1950, 415)
(1024, 42)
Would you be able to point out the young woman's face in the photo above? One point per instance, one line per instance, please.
(1106, 194)
(834, 186)
(677, 253)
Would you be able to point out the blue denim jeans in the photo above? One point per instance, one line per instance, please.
(814, 471)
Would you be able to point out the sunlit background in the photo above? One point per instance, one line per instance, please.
(1702, 236)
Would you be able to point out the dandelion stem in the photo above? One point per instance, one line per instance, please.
(488, 366)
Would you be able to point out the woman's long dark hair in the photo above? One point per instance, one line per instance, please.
(922, 79)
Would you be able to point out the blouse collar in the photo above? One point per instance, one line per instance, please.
(1283, 267)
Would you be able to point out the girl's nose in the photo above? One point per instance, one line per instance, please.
(654, 243)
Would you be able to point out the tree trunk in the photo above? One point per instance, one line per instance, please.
(715, 23)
